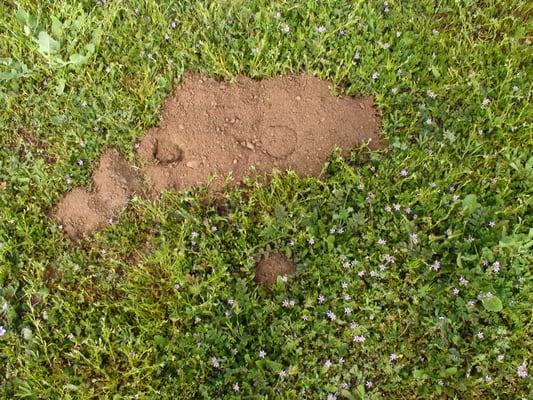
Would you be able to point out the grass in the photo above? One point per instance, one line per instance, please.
(423, 251)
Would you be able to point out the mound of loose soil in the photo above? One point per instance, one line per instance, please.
(114, 182)
(217, 128)
(214, 129)
(270, 267)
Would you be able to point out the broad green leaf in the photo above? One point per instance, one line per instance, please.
(470, 203)
(493, 304)
(57, 27)
(77, 59)
(60, 88)
(47, 44)
(22, 16)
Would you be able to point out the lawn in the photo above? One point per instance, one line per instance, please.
(413, 263)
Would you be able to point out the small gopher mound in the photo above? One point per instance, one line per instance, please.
(114, 182)
(270, 267)
(211, 129)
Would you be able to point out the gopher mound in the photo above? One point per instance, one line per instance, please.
(211, 129)
(270, 267)
(114, 182)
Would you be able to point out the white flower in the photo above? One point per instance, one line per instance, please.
(486, 101)
(347, 310)
(321, 29)
(500, 357)
(496, 267)
(455, 291)
(414, 238)
(331, 315)
(214, 362)
(236, 387)
(463, 281)
(375, 75)
(521, 371)
(431, 94)
(262, 354)
(359, 339)
(327, 363)
(321, 299)
(480, 335)
(2, 330)
(436, 265)
(393, 357)
(282, 373)
(285, 28)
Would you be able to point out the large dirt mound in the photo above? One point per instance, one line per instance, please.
(214, 128)
(211, 129)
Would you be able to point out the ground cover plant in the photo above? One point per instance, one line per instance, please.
(413, 264)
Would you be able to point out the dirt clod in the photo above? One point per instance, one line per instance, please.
(270, 267)
(212, 129)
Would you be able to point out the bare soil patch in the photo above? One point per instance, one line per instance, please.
(114, 182)
(211, 129)
(271, 266)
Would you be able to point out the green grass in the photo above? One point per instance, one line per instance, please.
(105, 319)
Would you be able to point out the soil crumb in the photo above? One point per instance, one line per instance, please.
(211, 129)
(270, 267)
(114, 182)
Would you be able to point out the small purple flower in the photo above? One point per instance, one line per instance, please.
(359, 339)
(321, 299)
(368, 384)
(404, 173)
(2, 330)
(521, 371)
(414, 238)
(331, 315)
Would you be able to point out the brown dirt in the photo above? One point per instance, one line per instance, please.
(212, 129)
(270, 267)
(114, 182)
